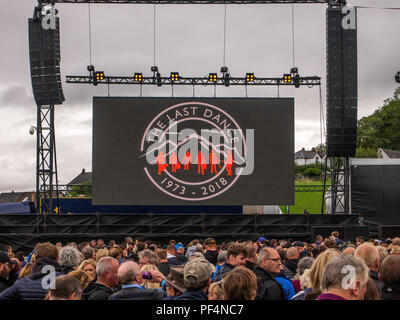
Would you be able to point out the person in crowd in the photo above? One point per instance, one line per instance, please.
(383, 253)
(236, 255)
(69, 259)
(31, 287)
(107, 280)
(285, 283)
(175, 285)
(196, 255)
(147, 283)
(197, 279)
(304, 264)
(389, 274)
(215, 292)
(83, 277)
(89, 266)
(299, 245)
(290, 265)
(89, 253)
(93, 243)
(100, 244)
(5, 269)
(359, 241)
(336, 239)
(240, 284)
(268, 263)
(334, 282)
(395, 250)
(147, 257)
(370, 254)
(250, 257)
(131, 278)
(192, 247)
(211, 253)
(372, 292)
(66, 287)
(318, 240)
(171, 256)
(21, 258)
(222, 259)
(180, 253)
(349, 250)
(101, 253)
(162, 263)
(26, 270)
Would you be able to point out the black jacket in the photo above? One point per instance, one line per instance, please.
(164, 268)
(290, 267)
(3, 284)
(250, 265)
(374, 276)
(97, 291)
(267, 287)
(30, 287)
(223, 272)
(391, 292)
(174, 261)
(192, 295)
(211, 256)
(136, 293)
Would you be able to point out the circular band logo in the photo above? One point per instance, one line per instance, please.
(193, 151)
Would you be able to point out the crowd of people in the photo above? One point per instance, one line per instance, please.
(325, 269)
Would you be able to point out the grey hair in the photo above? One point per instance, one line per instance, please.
(149, 255)
(127, 272)
(223, 256)
(64, 287)
(338, 268)
(88, 252)
(196, 255)
(104, 265)
(262, 255)
(69, 257)
(304, 263)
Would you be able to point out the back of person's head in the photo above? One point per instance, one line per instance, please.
(128, 272)
(304, 263)
(335, 234)
(161, 254)
(223, 257)
(104, 265)
(197, 274)
(292, 253)
(318, 267)
(390, 270)
(210, 244)
(115, 253)
(140, 246)
(372, 292)
(250, 252)
(370, 254)
(336, 274)
(149, 257)
(215, 290)
(382, 252)
(88, 252)
(66, 287)
(396, 241)
(101, 253)
(82, 276)
(46, 250)
(237, 249)
(240, 284)
(395, 250)
(69, 257)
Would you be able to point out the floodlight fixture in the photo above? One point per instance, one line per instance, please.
(158, 76)
(212, 77)
(294, 70)
(99, 75)
(287, 78)
(227, 78)
(174, 76)
(224, 69)
(138, 77)
(249, 77)
(154, 69)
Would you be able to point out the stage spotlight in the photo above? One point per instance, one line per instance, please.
(227, 78)
(174, 76)
(154, 68)
(158, 76)
(249, 77)
(224, 69)
(138, 77)
(99, 75)
(296, 81)
(287, 78)
(212, 77)
(397, 77)
(294, 70)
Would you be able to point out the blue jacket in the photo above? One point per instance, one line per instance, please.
(286, 285)
(223, 271)
(30, 287)
(192, 295)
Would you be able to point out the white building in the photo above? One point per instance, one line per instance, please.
(303, 157)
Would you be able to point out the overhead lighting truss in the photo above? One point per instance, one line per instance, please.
(193, 81)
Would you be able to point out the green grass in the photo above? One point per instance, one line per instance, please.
(311, 201)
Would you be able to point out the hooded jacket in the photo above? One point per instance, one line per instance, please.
(30, 287)
(223, 272)
(211, 256)
(97, 291)
(290, 267)
(267, 287)
(286, 285)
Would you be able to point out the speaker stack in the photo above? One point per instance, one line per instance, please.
(341, 86)
(44, 55)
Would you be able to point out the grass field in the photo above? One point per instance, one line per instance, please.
(311, 201)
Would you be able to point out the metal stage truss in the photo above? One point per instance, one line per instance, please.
(331, 2)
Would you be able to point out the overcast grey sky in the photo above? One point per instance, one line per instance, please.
(189, 39)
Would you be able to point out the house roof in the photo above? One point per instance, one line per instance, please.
(392, 154)
(83, 177)
(304, 154)
(14, 196)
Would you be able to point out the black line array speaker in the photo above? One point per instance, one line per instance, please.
(341, 86)
(44, 56)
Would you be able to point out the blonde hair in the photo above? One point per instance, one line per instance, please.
(216, 288)
(146, 283)
(395, 250)
(318, 267)
(26, 270)
(101, 253)
(86, 262)
(82, 276)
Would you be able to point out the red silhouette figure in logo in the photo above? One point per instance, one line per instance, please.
(160, 161)
(173, 160)
(213, 161)
(201, 163)
(229, 163)
(186, 160)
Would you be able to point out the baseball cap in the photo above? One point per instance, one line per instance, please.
(197, 271)
(209, 241)
(175, 279)
(4, 258)
(260, 239)
(179, 245)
